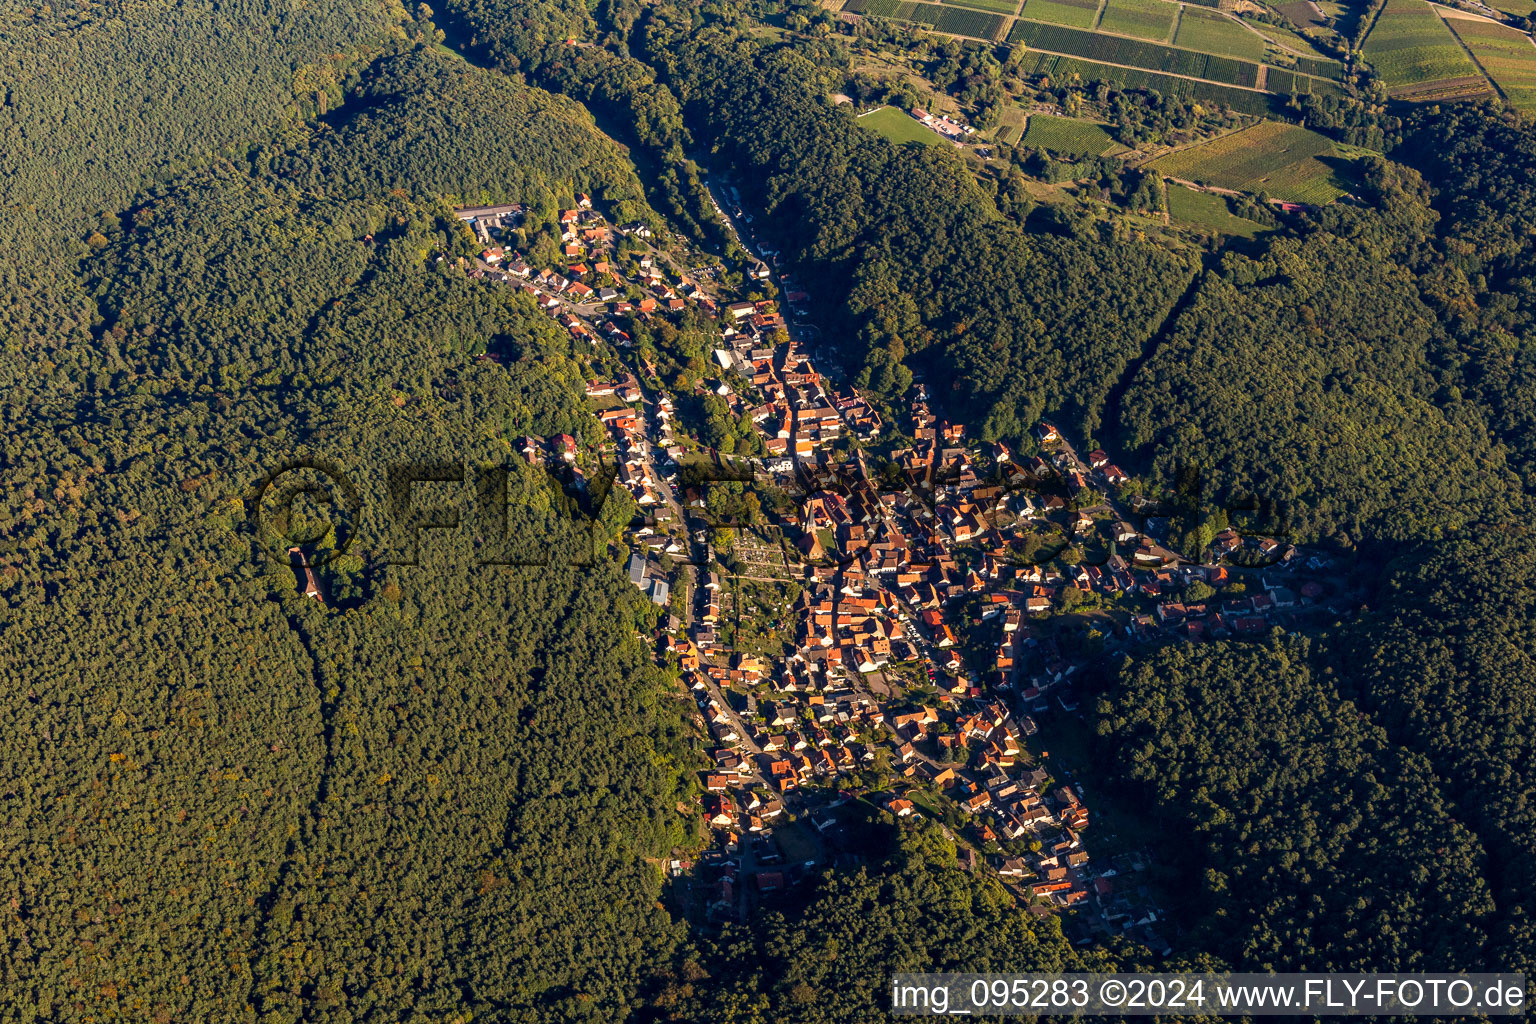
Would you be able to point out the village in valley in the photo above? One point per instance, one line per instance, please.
(875, 613)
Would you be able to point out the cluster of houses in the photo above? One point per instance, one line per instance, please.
(799, 412)
(632, 448)
(649, 577)
(874, 598)
(951, 129)
(899, 577)
(780, 723)
(491, 223)
(589, 290)
(902, 583)
(902, 575)
(544, 451)
(1219, 618)
(949, 512)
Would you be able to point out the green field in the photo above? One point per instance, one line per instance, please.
(1098, 46)
(1507, 55)
(1322, 67)
(1062, 68)
(1011, 116)
(999, 6)
(1285, 82)
(1145, 19)
(1204, 210)
(898, 126)
(1072, 13)
(1070, 136)
(1519, 8)
(1416, 56)
(1010, 125)
(1214, 33)
(958, 21)
(1281, 159)
(901, 10)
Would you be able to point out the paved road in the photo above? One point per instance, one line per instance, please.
(1096, 478)
(690, 568)
(800, 334)
(585, 311)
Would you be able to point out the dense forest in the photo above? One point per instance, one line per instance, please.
(1444, 663)
(914, 909)
(101, 100)
(447, 790)
(1482, 165)
(1326, 847)
(1363, 797)
(447, 793)
(1375, 372)
(1307, 376)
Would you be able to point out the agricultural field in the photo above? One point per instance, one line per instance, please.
(1322, 67)
(1281, 159)
(958, 21)
(1070, 136)
(1215, 33)
(1518, 8)
(1416, 56)
(1256, 103)
(898, 126)
(1507, 55)
(1110, 49)
(901, 10)
(1071, 13)
(997, 6)
(1233, 72)
(1208, 211)
(1144, 19)
(1283, 83)
(1012, 116)
(1010, 124)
